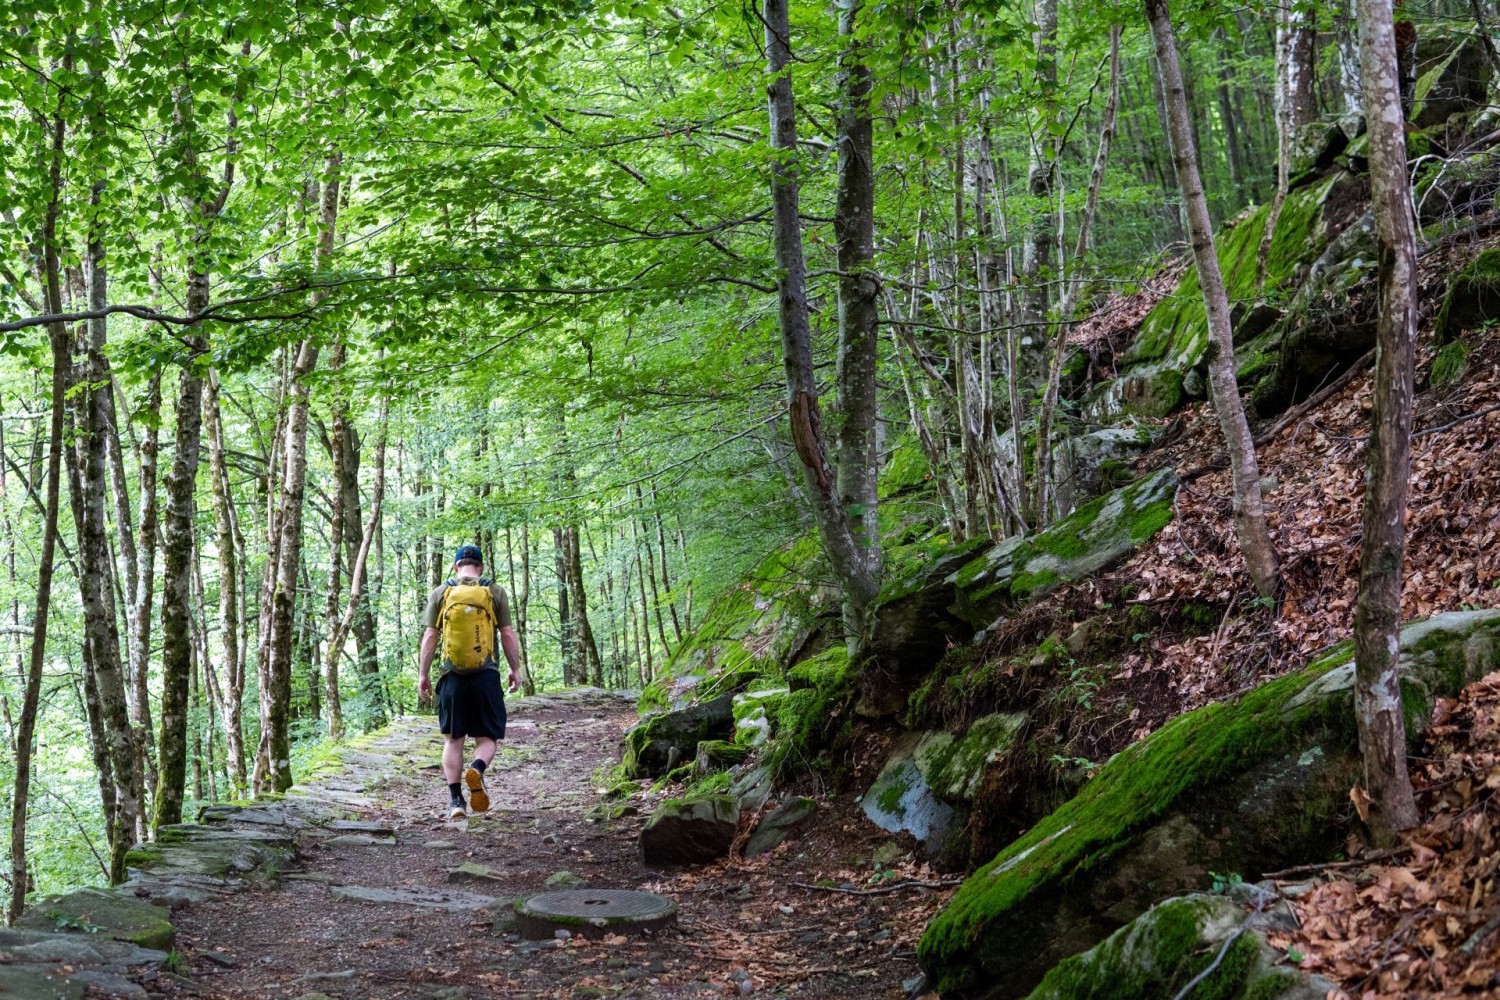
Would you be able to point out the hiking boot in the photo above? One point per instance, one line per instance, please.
(479, 799)
(456, 809)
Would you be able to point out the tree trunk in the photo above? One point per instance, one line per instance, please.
(1036, 251)
(61, 360)
(858, 397)
(1295, 107)
(97, 568)
(229, 618)
(339, 453)
(341, 625)
(1377, 616)
(564, 612)
(177, 548)
(1249, 515)
(666, 580)
(140, 621)
(589, 666)
(273, 771)
(845, 555)
(1072, 283)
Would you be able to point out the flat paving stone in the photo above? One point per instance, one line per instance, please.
(449, 899)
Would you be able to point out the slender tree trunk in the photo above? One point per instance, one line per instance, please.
(177, 549)
(1377, 616)
(640, 575)
(666, 581)
(97, 565)
(1296, 36)
(340, 453)
(140, 621)
(273, 771)
(565, 634)
(1072, 283)
(1041, 175)
(229, 573)
(341, 625)
(61, 361)
(1249, 514)
(858, 399)
(845, 555)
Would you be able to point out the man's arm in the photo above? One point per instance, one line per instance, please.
(511, 643)
(424, 662)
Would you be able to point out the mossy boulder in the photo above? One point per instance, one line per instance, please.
(1472, 299)
(929, 783)
(1313, 149)
(1329, 323)
(754, 712)
(718, 755)
(1248, 786)
(690, 831)
(1023, 568)
(913, 619)
(751, 631)
(1162, 367)
(787, 820)
(1158, 953)
(814, 714)
(664, 741)
(102, 911)
(1453, 77)
(1090, 463)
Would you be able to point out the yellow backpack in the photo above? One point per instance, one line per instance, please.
(467, 621)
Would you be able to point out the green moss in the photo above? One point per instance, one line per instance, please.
(808, 718)
(716, 783)
(1449, 364)
(1156, 960)
(142, 857)
(1149, 520)
(889, 799)
(906, 468)
(1472, 299)
(1176, 330)
(1194, 751)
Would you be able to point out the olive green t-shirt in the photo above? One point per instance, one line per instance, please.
(497, 595)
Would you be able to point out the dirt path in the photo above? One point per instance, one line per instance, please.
(371, 908)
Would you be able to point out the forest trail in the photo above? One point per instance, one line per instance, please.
(372, 907)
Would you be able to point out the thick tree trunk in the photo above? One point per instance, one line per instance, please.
(1249, 514)
(844, 552)
(341, 624)
(229, 585)
(1377, 616)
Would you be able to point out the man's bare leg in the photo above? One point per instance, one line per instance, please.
(484, 752)
(453, 766)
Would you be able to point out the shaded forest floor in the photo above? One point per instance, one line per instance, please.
(415, 929)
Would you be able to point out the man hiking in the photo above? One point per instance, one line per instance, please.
(465, 617)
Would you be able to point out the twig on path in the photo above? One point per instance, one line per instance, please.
(1218, 960)
(894, 887)
(1370, 859)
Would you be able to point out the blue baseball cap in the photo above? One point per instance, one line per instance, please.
(468, 553)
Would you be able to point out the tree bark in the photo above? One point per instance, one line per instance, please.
(339, 453)
(1036, 251)
(97, 566)
(1249, 515)
(140, 621)
(229, 582)
(859, 584)
(858, 397)
(273, 772)
(1072, 283)
(342, 625)
(61, 360)
(1377, 616)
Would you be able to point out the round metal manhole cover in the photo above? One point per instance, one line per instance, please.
(593, 913)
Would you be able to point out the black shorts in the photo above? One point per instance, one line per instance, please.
(471, 705)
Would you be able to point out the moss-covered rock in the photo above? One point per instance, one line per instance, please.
(1158, 953)
(785, 821)
(928, 784)
(1313, 149)
(718, 755)
(690, 831)
(1449, 364)
(751, 631)
(663, 741)
(814, 714)
(1162, 364)
(1453, 77)
(102, 911)
(753, 714)
(1023, 568)
(1472, 299)
(1245, 786)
